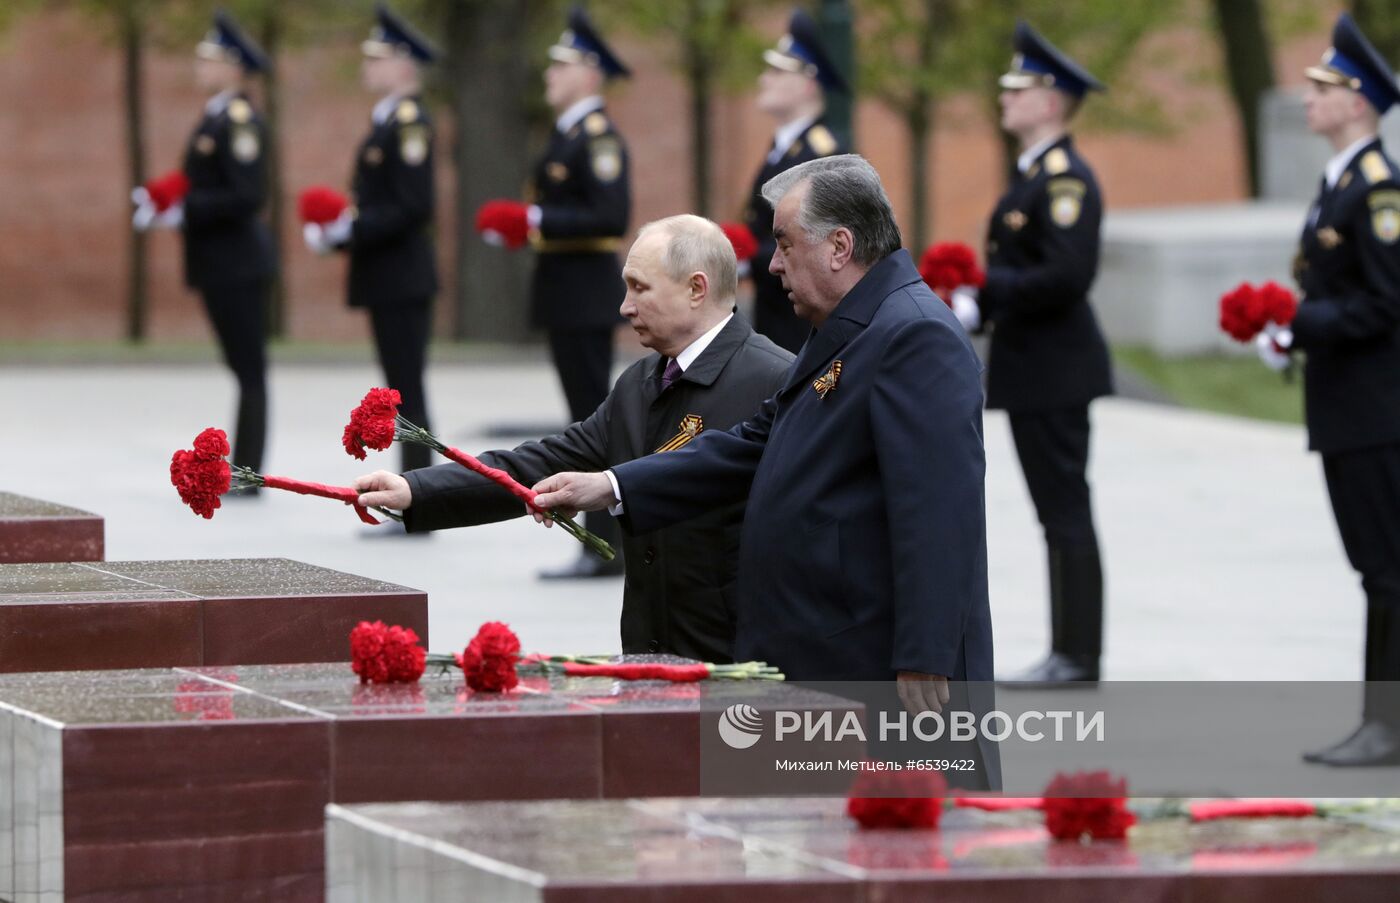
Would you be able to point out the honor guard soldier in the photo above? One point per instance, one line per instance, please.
(1048, 359)
(229, 257)
(581, 206)
(388, 229)
(792, 91)
(1348, 326)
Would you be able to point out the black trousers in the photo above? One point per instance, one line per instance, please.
(583, 358)
(1053, 447)
(401, 338)
(238, 313)
(772, 312)
(1364, 486)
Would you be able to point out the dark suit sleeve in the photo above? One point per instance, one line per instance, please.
(608, 203)
(412, 187)
(713, 470)
(1373, 309)
(1066, 268)
(449, 495)
(244, 185)
(926, 416)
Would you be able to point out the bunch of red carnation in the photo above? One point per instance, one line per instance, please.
(168, 190)
(1246, 309)
(946, 265)
(489, 659)
(202, 475)
(321, 204)
(1089, 803)
(507, 220)
(742, 238)
(372, 423)
(897, 799)
(381, 654)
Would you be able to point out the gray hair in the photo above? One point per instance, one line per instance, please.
(845, 192)
(697, 245)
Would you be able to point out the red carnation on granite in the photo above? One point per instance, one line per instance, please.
(489, 659)
(1087, 802)
(897, 799)
(382, 654)
(946, 265)
(1246, 310)
(201, 475)
(372, 422)
(321, 204)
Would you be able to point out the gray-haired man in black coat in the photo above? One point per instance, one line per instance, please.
(709, 371)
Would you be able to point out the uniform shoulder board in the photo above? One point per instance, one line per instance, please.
(1374, 167)
(821, 140)
(595, 124)
(406, 112)
(1057, 162)
(239, 110)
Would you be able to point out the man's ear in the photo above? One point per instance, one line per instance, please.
(699, 288)
(843, 245)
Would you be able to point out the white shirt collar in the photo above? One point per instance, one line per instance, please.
(1035, 152)
(219, 102)
(786, 134)
(575, 113)
(697, 347)
(385, 108)
(1338, 164)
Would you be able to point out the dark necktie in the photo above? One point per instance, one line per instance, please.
(670, 374)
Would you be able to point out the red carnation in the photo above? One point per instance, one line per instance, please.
(489, 659)
(739, 235)
(1279, 303)
(897, 799)
(949, 264)
(1087, 802)
(321, 204)
(382, 654)
(202, 475)
(509, 221)
(1246, 310)
(168, 190)
(372, 422)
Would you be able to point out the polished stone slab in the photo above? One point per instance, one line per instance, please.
(735, 851)
(33, 530)
(228, 757)
(145, 614)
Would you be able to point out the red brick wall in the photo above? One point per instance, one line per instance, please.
(64, 212)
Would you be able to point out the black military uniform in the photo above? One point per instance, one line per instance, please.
(800, 50)
(229, 257)
(1048, 359)
(582, 190)
(679, 595)
(1348, 323)
(393, 266)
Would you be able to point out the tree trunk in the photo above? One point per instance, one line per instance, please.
(132, 46)
(1249, 67)
(489, 75)
(272, 107)
(698, 77)
(917, 121)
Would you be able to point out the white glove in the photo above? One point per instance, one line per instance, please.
(172, 218)
(966, 308)
(493, 238)
(145, 213)
(338, 232)
(1268, 347)
(315, 237)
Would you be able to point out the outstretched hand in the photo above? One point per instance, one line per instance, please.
(570, 493)
(384, 489)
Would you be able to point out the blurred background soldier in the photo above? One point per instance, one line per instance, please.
(792, 91)
(229, 257)
(1048, 359)
(388, 229)
(582, 203)
(1348, 267)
